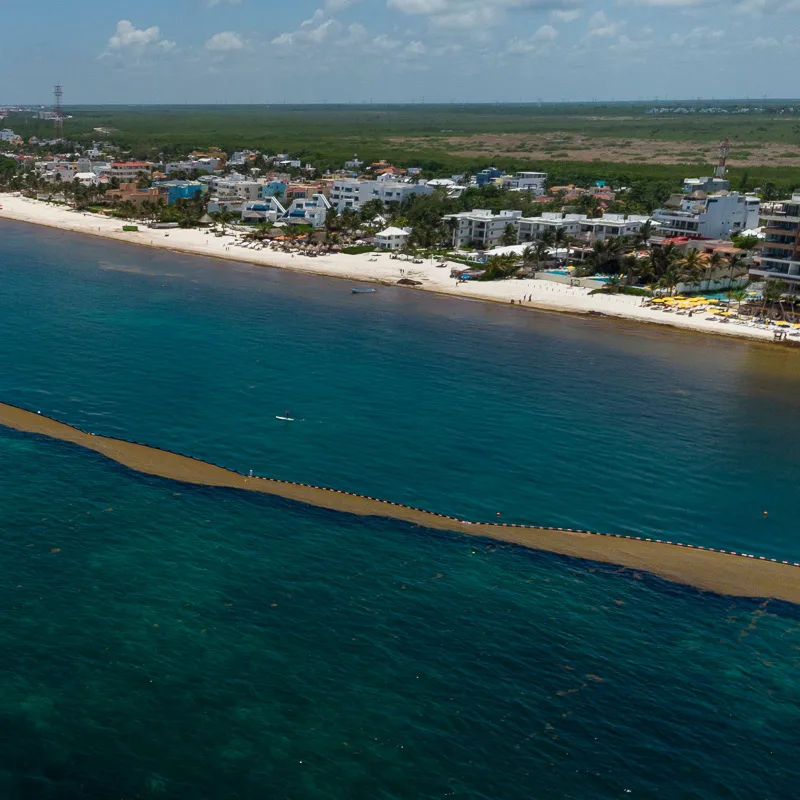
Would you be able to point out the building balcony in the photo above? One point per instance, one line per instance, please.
(782, 267)
(781, 216)
(664, 214)
(777, 244)
(781, 234)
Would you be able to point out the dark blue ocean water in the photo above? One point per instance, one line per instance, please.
(189, 642)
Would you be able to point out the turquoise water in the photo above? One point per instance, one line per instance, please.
(192, 642)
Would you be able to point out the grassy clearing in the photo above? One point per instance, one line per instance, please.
(328, 135)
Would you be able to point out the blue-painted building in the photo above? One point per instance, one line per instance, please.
(488, 175)
(276, 189)
(181, 190)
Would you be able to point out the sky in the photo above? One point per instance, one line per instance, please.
(396, 51)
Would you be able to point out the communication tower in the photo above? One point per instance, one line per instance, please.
(58, 111)
(722, 167)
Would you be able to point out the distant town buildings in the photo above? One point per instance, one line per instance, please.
(708, 185)
(7, 135)
(205, 165)
(532, 182)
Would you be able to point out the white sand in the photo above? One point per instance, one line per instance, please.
(544, 294)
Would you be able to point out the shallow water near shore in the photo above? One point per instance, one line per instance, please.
(193, 642)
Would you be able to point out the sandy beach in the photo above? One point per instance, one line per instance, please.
(371, 267)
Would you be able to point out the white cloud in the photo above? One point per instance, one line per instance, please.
(776, 45)
(697, 37)
(313, 31)
(224, 42)
(475, 14)
(763, 7)
(135, 41)
(601, 26)
(335, 6)
(538, 41)
(212, 3)
(565, 16)
(319, 29)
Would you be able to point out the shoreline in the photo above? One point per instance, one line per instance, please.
(545, 295)
(710, 569)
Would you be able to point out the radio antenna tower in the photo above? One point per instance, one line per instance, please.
(58, 119)
(722, 167)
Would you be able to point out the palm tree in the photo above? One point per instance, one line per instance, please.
(561, 239)
(528, 256)
(509, 236)
(670, 279)
(642, 236)
(633, 268)
(739, 295)
(693, 267)
(736, 267)
(713, 264)
(224, 217)
(541, 251)
(773, 292)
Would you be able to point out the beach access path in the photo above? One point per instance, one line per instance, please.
(371, 267)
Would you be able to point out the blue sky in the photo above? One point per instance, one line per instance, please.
(266, 51)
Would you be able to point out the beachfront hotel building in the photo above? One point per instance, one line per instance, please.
(353, 193)
(126, 171)
(780, 251)
(482, 228)
(707, 216)
(392, 238)
(533, 228)
(598, 229)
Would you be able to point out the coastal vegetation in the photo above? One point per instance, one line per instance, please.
(574, 143)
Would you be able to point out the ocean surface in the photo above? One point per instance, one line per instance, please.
(169, 641)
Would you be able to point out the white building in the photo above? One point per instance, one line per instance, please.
(7, 135)
(780, 250)
(269, 210)
(610, 225)
(86, 178)
(534, 228)
(305, 211)
(707, 185)
(396, 191)
(54, 171)
(349, 193)
(129, 171)
(531, 182)
(205, 165)
(482, 228)
(702, 216)
(353, 193)
(240, 188)
(391, 238)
